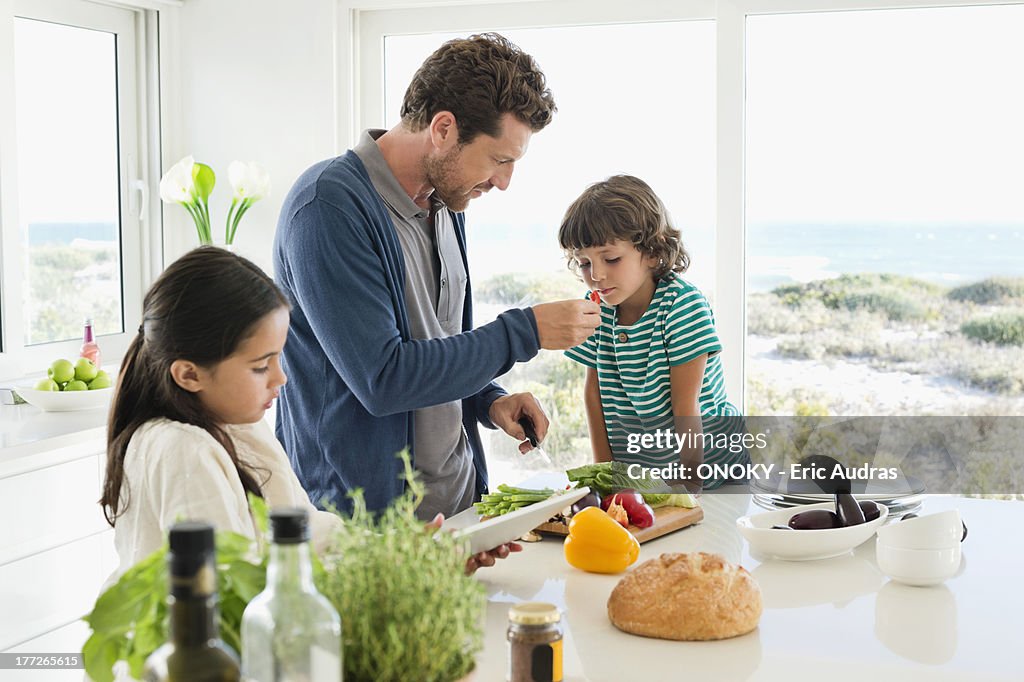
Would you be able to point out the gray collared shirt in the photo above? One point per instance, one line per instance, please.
(435, 291)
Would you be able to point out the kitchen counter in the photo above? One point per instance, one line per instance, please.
(833, 619)
(28, 436)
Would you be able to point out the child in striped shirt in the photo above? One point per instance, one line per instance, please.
(655, 360)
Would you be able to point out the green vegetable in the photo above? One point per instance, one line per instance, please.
(669, 500)
(509, 499)
(610, 477)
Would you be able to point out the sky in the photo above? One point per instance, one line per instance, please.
(66, 113)
(895, 116)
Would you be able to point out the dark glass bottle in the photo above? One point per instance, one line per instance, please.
(195, 652)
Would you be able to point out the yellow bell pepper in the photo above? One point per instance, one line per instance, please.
(598, 544)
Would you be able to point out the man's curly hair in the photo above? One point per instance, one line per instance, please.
(478, 79)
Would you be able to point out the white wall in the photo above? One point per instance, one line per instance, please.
(252, 80)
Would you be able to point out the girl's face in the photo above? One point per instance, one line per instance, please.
(618, 271)
(241, 388)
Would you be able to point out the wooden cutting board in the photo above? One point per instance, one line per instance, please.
(666, 520)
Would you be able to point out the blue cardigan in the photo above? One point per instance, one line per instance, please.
(355, 375)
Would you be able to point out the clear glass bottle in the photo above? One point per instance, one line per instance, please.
(195, 652)
(90, 349)
(534, 643)
(290, 632)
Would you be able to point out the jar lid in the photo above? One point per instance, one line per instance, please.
(534, 613)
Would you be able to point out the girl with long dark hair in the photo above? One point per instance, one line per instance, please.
(186, 438)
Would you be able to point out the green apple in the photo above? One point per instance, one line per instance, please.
(85, 370)
(76, 386)
(61, 371)
(47, 385)
(102, 380)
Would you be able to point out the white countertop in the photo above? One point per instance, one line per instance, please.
(833, 619)
(31, 438)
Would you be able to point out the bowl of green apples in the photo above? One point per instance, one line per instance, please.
(70, 385)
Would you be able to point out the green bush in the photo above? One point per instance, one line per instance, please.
(896, 297)
(516, 289)
(1004, 329)
(991, 290)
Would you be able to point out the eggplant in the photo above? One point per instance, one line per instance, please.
(870, 509)
(815, 519)
(848, 511)
(591, 499)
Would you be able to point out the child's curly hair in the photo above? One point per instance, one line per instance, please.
(623, 207)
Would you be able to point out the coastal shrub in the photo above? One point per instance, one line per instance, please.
(991, 290)
(997, 370)
(767, 315)
(1004, 329)
(896, 297)
(514, 289)
(765, 399)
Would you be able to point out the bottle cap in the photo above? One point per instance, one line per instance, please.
(190, 560)
(534, 613)
(88, 321)
(191, 537)
(289, 526)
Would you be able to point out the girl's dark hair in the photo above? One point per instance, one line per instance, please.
(201, 308)
(623, 207)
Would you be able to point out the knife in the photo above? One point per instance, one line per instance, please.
(531, 435)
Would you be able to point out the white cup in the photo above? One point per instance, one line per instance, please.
(917, 566)
(932, 531)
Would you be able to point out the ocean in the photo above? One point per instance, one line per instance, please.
(949, 255)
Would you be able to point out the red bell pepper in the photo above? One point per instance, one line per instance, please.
(639, 513)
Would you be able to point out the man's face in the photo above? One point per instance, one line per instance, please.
(468, 171)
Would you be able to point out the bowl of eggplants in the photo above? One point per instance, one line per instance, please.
(816, 531)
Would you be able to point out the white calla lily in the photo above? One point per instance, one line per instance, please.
(177, 185)
(189, 184)
(248, 180)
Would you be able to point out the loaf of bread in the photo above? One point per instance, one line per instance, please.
(695, 596)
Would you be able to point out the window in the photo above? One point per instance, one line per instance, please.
(70, 241)
(885, 231)
(846, 142)
(616, 115)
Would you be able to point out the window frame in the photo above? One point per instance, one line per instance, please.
(139, 231)
(361, 98)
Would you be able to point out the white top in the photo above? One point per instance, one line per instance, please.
(175, 471)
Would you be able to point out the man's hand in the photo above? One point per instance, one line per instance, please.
(482, 559)
(507, 410)
(564, 324)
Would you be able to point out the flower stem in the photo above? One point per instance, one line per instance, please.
(197, 218)
(229, 235)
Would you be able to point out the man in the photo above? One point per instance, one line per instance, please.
(371, 250)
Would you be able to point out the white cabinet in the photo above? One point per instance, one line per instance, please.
(56, 549)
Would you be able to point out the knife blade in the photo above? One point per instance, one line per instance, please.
(531, 435)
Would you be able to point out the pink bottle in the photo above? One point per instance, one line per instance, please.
(89, 347)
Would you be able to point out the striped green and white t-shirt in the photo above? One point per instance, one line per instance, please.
(633, 361)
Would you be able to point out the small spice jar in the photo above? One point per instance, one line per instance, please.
(534, 643)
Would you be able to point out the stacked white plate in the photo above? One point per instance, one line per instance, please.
(900, 496)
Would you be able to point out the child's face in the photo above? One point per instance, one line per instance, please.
(617, 270)
(241, 388)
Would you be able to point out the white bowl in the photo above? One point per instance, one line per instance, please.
(66, 401)
(931, 531)
(804, 545)
(918, 566)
